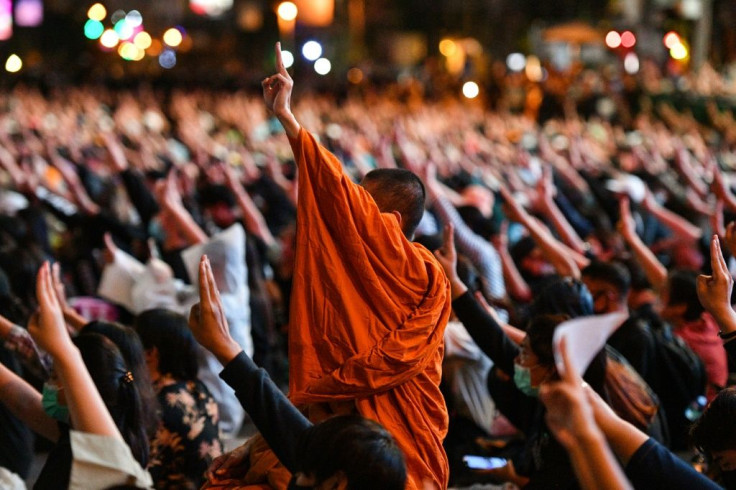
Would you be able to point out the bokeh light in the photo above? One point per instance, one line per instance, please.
(13, 63)
(156, 48)
(679, 51)
(312, 50)
(355, 75)
(516, 61)
(448, 47)
(6, 19)
(28, 13)
(97, 12)
(167, 59)
(93, 29)
(134, 18)
(172, 37)
(142, 40)
(287, 11)
(470, 90)
(117, 16)
(671, 39)
(628, 39)
(533, 70)
(123, 30)
(631, 63)
(613, 39)
(128, 51)
(322, 66)
(109, 39)
(288, 58)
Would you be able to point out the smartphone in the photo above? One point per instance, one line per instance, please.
(483, 463)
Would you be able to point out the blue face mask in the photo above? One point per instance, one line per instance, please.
(50, 403)
(523, 381)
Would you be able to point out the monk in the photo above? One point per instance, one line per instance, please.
(368, 306)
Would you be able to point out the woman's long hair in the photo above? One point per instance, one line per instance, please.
(115, 384)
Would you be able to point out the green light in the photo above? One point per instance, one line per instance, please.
(123, 29)
(93, 29)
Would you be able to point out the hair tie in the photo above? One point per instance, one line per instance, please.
(128, 377)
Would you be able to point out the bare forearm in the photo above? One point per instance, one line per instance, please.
(679, 225)
(253, 218)
(23, 401)
(552, 249)
(654, 270)
(594, 463)
(86, 407)
(567, 233)
(186, 225)
(515, 284)
(290, 124)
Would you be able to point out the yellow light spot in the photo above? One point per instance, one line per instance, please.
(13, 64)
(448, 47)
(172, 37)
(142, 40)
(287, 11)
(97, 12)
(109, 39)
(471, 90)
(679, 51)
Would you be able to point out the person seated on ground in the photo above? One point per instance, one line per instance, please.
(344, 451)
(582, 422)
(187, 439)
(94, 416)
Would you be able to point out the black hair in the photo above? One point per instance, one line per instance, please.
(169, 333)
(715, 430)
(400, 190)
(209, 195)
(129, 344)
(485, 227)
(358, 447)
(563, 295)
(468, 274)
(682, 290)
(122, 398)
(540, 333)
(612, 273)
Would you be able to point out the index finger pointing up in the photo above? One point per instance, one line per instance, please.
(279, 60)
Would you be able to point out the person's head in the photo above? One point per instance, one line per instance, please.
(129, 344)
(714, 433)
(218, 203)
(116, 386)
(397, 191)
(680, 299)
(535, 362)
(565, 296)
(169, 344)
(608, 283)
(530, 259)
(350, 452)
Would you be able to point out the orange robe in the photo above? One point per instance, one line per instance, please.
(367, 314)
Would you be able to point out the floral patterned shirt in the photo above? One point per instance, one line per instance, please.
(187, 439)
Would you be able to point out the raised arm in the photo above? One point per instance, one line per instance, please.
(571, 420)
(555, 252)
(679, 225)
(87, 410)
(254, 221)
(273, 414)
(714, 291)
(277, 95)
(654, 270)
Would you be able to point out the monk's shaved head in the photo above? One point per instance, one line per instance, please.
(396, 189)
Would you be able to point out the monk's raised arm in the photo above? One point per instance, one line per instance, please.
(277, 95)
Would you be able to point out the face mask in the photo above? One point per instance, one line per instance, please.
(523, 380)
(50, 402)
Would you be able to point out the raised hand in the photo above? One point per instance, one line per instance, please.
(446, 255)
(569, 415)
(207, 318)
(714, 291)
(730, 238)
(50, 331)
(277, 95)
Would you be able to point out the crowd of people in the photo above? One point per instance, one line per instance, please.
(399, 267)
